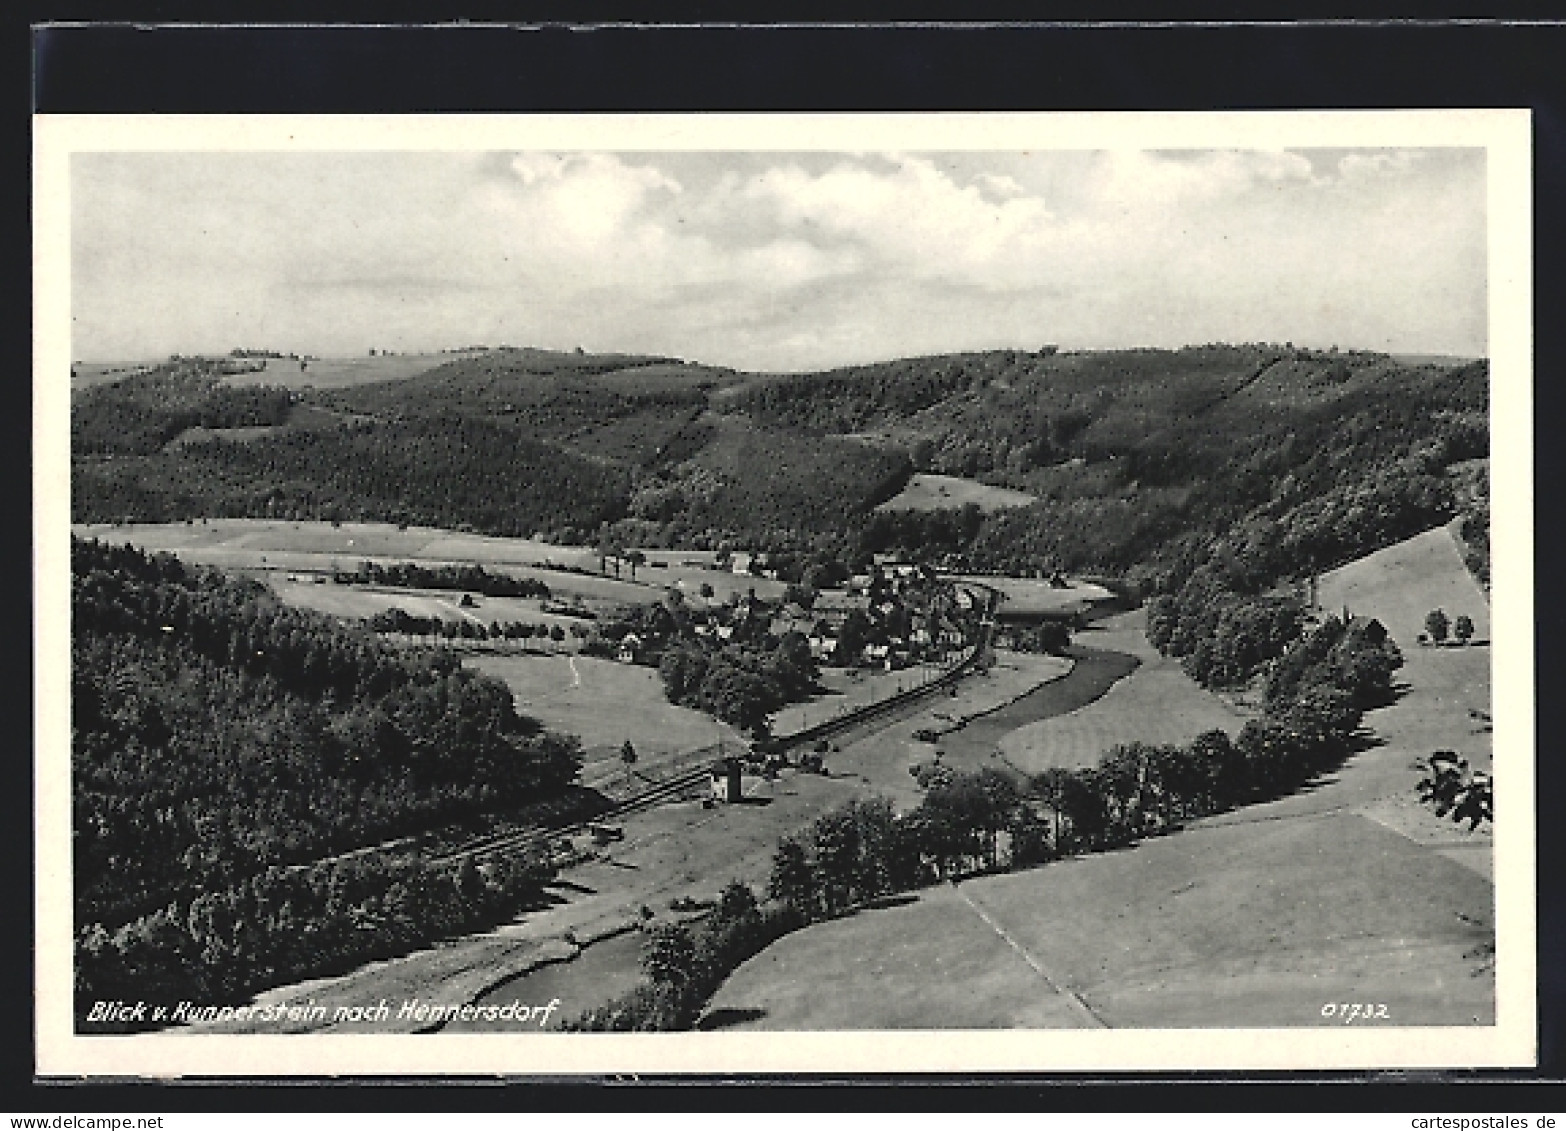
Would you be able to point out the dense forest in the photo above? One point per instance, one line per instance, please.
(1136, 456)
(139, 415)
(218, 735)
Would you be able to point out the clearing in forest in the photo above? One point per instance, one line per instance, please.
(926, 492)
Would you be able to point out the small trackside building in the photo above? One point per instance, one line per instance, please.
(724, 777)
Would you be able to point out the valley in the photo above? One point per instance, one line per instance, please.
(1111, 661)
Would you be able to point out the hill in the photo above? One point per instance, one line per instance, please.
(506, 442)
(1141, 464)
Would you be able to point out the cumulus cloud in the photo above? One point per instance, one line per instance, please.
(912, 217)
(780, 260)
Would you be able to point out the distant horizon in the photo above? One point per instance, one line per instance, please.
(687, 359)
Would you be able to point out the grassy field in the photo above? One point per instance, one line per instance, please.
(361, 601)
(248, 543)
(929, 964)
(611, 967)
(1247, 926)
(1446, 700)
(1257, 925)
(926, 492)
(605, 703)
(341, 372)
(86, 374)
(1402, 583)
(1156, 703)
(268, 544)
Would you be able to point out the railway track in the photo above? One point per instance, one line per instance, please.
(656, 794)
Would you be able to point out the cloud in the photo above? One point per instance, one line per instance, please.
(1361, 166)
(911, 217)
(778, 260)
(575, 202)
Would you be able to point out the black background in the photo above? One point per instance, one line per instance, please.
(80, 64)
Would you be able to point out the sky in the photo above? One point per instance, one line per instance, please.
(776, 261)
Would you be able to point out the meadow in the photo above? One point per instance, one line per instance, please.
(1253, 925)
(1035, 595)
(927, 492)
(243, 543)
(605, 703)
(1156, 703)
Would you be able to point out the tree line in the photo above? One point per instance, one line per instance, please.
(434, 628)
(468, 577)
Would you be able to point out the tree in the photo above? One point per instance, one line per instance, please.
(1436, 624)
(1455, 790)
(793, 881)
(1463, 629)
(669, 957)
(835, 835)
(800, 595)
(736, 901)
(852, 637)
(628, 756)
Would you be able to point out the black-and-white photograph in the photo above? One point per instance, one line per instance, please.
(920, 583)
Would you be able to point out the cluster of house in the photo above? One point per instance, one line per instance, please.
(894, 618)
(899, 621)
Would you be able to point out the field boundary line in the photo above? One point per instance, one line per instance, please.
(1078, 1005)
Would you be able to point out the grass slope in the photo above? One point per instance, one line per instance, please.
(1156, 703)
(1252, 925)
(928, 964)
(927, 492)
(1402, 583)
(574, 694)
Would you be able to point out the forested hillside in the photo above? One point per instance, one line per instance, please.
(216, 733)
(509, 442)
(138, 415)
(1137, 456)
